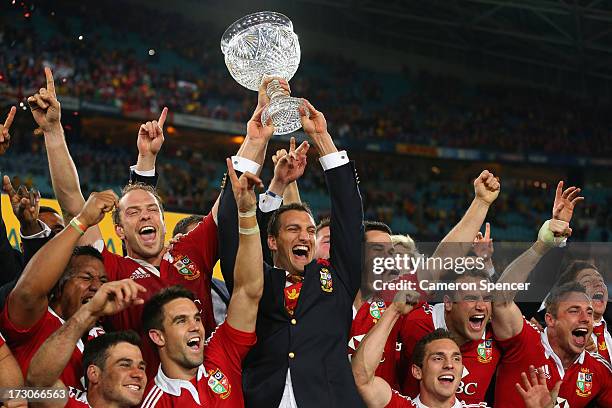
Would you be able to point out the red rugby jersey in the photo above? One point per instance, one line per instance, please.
(366, 317)
(24, 343)
(480, 358)
(588, 380)
(218, 382)
(190, 263)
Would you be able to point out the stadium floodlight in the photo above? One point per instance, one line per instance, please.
(264, 44)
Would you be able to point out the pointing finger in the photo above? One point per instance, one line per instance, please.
(50, 81)
(162, 117)
(10, 117)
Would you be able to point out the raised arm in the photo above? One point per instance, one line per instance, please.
(149, 143)
(375, 391)
(28, 300)
(53, 355)
(508, 319)
(248, 269)
(346, 221)
(46, 111)
(459, 240)
(288, 168)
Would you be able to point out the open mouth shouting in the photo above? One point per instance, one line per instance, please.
(194, 343)
(301, 253)
(447, 379)
(579, 336)
(476, 322)
(148, 234)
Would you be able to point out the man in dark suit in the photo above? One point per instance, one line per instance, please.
(305, 313)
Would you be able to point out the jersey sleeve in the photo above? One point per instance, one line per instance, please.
(516, 349)
(203, 238)
(2, 340)
(605, 397)
(399, 401)
(18, 335)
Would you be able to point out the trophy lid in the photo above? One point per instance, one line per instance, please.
(267, 17)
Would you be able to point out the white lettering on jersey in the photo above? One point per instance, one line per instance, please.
(140, 273)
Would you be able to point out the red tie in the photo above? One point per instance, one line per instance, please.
(292, 292)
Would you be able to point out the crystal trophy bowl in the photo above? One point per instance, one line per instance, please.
(264, 44)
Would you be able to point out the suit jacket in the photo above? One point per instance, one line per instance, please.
(313, 342)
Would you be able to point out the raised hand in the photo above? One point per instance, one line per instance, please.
(289, 167)
(405, 300)
(44, 105)
(25, 204)
(565, 201)
(5, 136)
(96, 206)
(262, 95)
(257, 131)
(536, 394)
(243, 188)
(487, 187)
(113, 297)
(483, 244)
(313, 121)
(151, 135)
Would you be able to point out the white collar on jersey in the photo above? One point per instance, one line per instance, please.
(99, 245)
(173, 386)
(549, 352)
(417, 402)
(145, 265)
(437, 314)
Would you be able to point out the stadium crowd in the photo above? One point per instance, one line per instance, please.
(304, 323)
(112, 65)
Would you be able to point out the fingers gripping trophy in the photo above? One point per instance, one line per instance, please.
(260, 45)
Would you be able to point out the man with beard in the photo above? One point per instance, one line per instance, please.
(560, 352)
(112, 363)
(138, 219)
(70, 275)
(191, 372)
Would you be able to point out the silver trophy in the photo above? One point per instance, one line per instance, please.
(264, 44)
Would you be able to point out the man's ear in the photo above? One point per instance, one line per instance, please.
(157, 337)
(119, 231)
(272, 243)
(448, 304)
(417, 372)
(93, 374)
(549, 319)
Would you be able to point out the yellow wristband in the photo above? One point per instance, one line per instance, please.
(248, 214)
(249, 231)
(78, 225)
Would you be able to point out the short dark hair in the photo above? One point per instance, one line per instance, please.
(468, 273)
(572, 270)
(418, 355)
(96, 349)
(45, 209)
(376, 226)
(558, 293)
(274, 223)
(136, 186)
(182, 225)
(325, 222)
(82, 250)
(153, 314)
